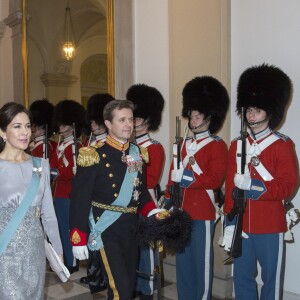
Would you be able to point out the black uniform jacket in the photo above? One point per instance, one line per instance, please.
(101, 181)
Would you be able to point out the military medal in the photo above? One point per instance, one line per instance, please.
(255, 161)
(136, 195)
(123, 158)
(134, 164)
(94, 242)
(192, 160)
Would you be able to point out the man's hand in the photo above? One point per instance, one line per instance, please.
(156, 211)
(80, 252)
(242, 181)
(228, 237)
(176, 175)
(294, 215)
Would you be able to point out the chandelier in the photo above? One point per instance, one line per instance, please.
(68, 47)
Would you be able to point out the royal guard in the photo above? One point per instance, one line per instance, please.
(201, 172)
(95, 106)
(69, 119)
(41, 112)
(267, 176)
(149, 104)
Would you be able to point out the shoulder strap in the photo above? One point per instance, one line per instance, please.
(21, 211)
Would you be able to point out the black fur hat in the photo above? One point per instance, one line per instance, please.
(148, 102)
(69, 112)
(95, 106)
(265, 87)
(174, 230)
(208, 96)
(41, 112)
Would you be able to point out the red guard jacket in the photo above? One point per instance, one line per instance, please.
(63, 161)
(266, 214)
(212, 160)
(38, 148)
(155, 165)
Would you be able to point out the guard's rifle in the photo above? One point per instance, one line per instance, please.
(239, 198)
(46, 152)
(75, 147)
(175, 190)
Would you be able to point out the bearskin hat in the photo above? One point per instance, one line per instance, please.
(174, 230)
(265, 87)
(69, 112)
(148, 102)
(95, 106)
(41, 112)
(208, 96)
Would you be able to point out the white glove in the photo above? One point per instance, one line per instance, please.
(245, 235)
(228, 236)
(242, 181)
(294, 215)
(155, 211)
(80, 252)
(289, 236)
(176, 175)
(74, 170)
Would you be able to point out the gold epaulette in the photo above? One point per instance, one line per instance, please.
(87, 157)
(75, 238)
(54, 137)
(145, 154)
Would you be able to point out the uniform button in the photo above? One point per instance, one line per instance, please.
(116, 195)
(111, 175)
(107, 165)
(97, 218)
(114, 185)
(103, 155)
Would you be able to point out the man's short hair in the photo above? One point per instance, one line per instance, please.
(116, 105)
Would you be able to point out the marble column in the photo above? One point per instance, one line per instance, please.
(14, 21)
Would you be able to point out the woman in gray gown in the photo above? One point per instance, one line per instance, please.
(23, 261)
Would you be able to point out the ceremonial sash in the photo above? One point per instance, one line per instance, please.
(189, 152)
(109, 217)
(21, 211)
(196, 167)
(260, 168)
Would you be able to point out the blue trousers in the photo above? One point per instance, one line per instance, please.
(62, 210)
(268, 251)
(194, 264)
(145, 283)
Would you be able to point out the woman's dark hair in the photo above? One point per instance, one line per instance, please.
(7, 113)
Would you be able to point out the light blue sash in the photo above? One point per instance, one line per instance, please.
(21, 211)
(109, 217)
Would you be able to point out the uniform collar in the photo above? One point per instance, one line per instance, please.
(39, 138)
(68, 139)
(142, 138)
(116, 144)
(261, 135)
(201, 135)
(100, 137)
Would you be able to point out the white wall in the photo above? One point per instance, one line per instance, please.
(268, 31)
(152, 59)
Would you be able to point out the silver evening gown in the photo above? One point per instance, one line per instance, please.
(22, 265)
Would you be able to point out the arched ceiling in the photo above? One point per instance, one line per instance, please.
(47, 18)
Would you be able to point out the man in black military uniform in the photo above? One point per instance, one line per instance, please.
(108, 190)
(95, 107)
